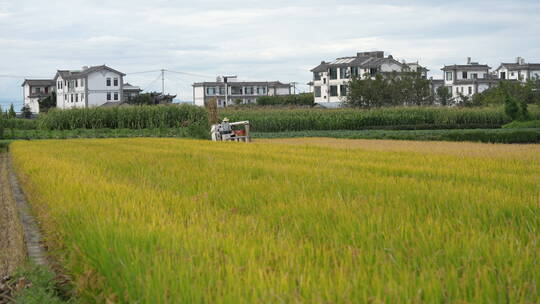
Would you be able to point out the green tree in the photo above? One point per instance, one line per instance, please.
(26, 112)
(11, 112)
(444, 95)
(47, 103)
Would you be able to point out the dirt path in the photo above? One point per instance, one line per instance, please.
(19, 233)
(12, 253)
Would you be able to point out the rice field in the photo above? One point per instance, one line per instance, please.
(280, 221)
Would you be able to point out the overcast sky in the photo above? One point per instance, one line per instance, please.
(259, 40)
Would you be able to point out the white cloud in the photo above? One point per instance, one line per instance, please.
(261, 40)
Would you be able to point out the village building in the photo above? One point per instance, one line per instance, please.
(519, 70)
(331, 79)
(89, 87)
(227, 90)
(468, 79)
(34, 90)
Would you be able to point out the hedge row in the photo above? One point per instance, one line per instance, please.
(506, 136)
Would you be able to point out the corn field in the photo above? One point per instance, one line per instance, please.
(299, 220)
(279, 120)
(131, 117)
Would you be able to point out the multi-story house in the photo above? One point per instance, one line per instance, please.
(331, 79)
(34, 90)
(89, 87)
(468, 79)
(227, 90)
(520, 70)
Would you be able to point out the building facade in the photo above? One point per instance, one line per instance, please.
(227, 90)
(468, 79)
(331, 79)
(520, 70)
(89, 87)
(34, 90)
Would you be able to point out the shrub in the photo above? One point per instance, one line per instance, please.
(304, 99)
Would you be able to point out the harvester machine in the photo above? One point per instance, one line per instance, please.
(231, 131)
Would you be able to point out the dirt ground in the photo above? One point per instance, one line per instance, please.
(12, 252)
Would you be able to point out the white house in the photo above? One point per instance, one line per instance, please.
(228, 90)
(34, 90)
(90, 87)
(520, 70)
(331, 79)
(468, 79)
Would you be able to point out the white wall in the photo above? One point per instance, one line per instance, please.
(97, 87)
(198, 97)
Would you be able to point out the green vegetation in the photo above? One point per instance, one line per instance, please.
(189, 221)
(305, 99)
(280, 120)
(506, 136)
(390, 90)
(37, 285)
(528, 93)
(129, 117)
(523, 124)
(187, 132)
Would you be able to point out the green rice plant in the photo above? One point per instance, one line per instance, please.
(290, 221)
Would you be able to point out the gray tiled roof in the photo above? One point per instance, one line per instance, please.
(466, 67)
(38, 82)
(363, 62)
(74, 74)
(244, 83)
(516, 66)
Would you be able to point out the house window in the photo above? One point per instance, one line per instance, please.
(108, 96)
(115, 81)
(333, 91)
(344, 73)
(248, 90)
(65, 97)
(354, 71)
(474, 76)
(449, 76)
(343, 90)
(82, 82)
(464, 74)
(324, 80)
(211, 91)
(71, 97)
(512, 74)
(115, 96)
(261, 90)
(316, 76)
(59, 85)
(222, 90)
(108, 81)
(470, 90)
(503, 75)
(317, 91)
(236, 90)
(76, 97)
(82, 96)
(333, 73)
(37, 90)
(76, 82)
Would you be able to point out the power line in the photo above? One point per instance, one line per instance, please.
(143, 72)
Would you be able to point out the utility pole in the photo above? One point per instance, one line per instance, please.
(163, 82)
(294, 87)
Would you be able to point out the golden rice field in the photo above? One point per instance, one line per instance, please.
(281, 221)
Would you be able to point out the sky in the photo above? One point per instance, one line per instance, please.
(256, 40)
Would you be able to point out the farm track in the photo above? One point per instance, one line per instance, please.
(19, 231)
(13, 252)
